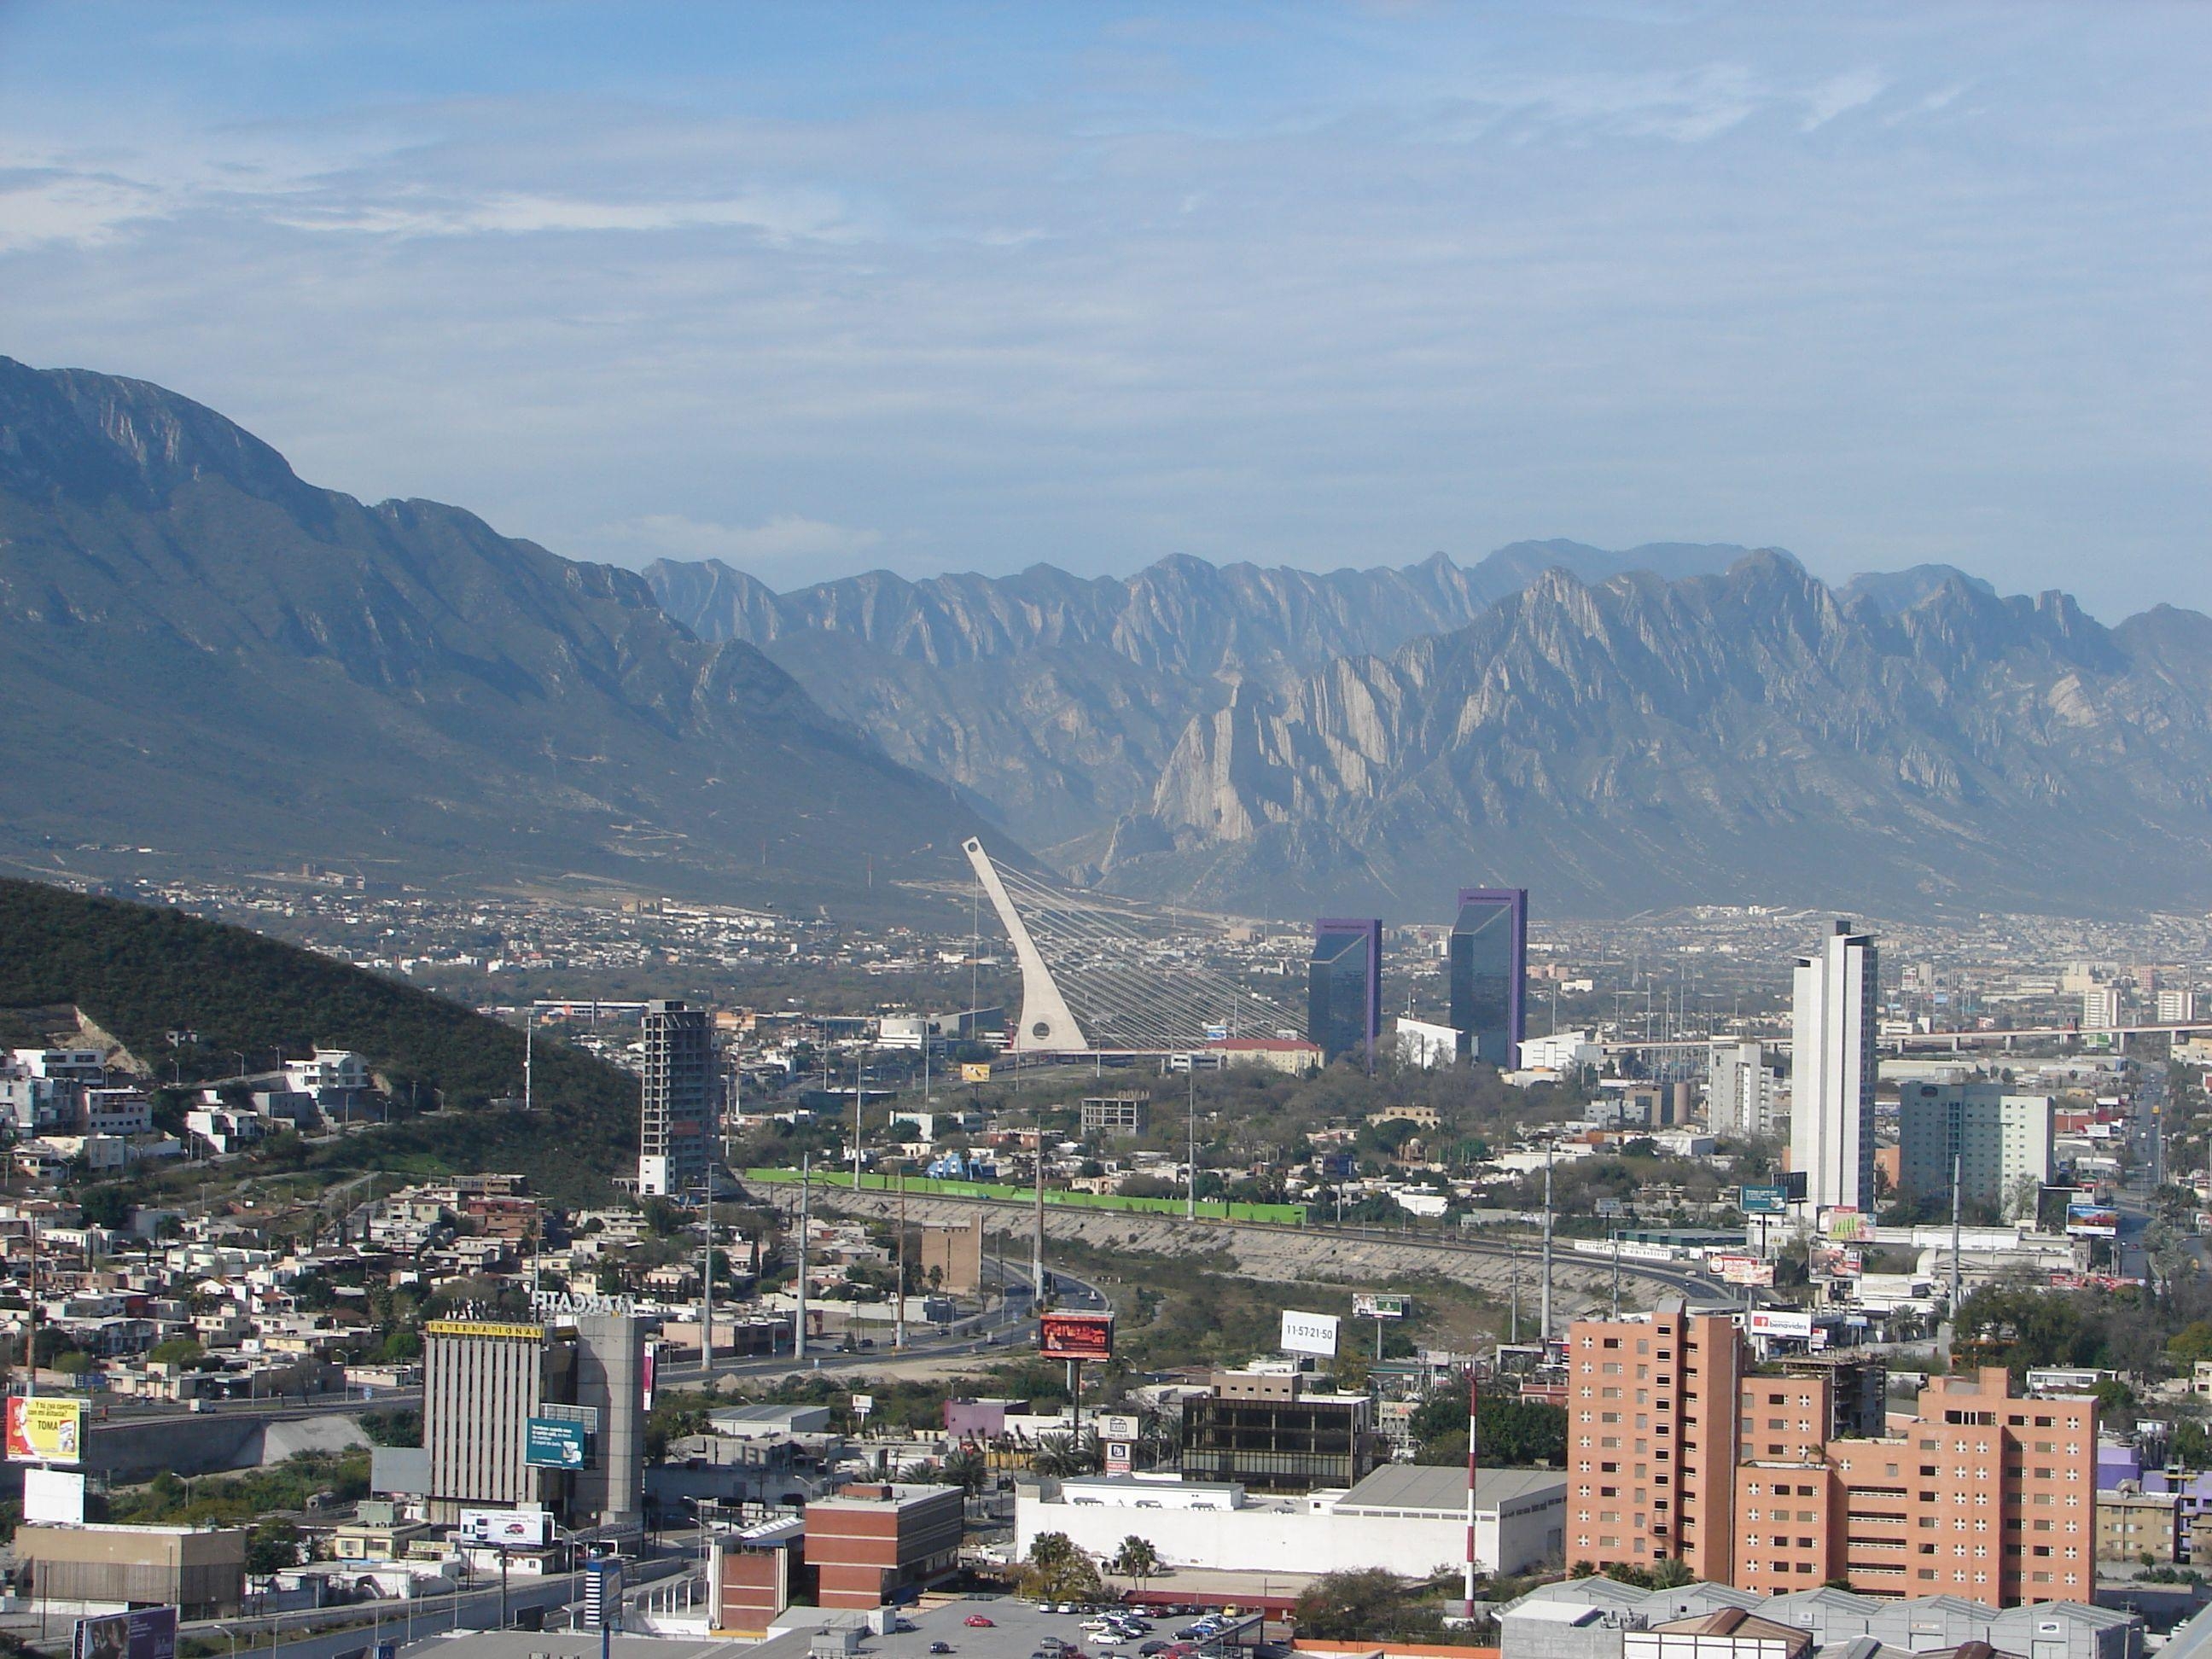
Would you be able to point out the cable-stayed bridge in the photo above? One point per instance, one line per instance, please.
(1094, 981)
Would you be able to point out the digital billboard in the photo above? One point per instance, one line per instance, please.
(553, 1443)
(1309, 1332)
(1076, 1336)
(44, 1431)
(2092, 1221)
(1769, 1200)
(1377, 1304)
(148, 1633)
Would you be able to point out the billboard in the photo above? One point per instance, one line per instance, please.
(149, 1633)
(507, 1529)
(975, 1072)
(1844, 1225)
(54, 1495)
(1116, 1425)
(1376, 1304)
(1741, 1269)
(1309, 1332)
(552, 1442)
(651, 1371)
(1778, 1322)
(1076, 1336)
(44, 1431)
(1770, 1200)
(2092, 1221)
(1834, 1262)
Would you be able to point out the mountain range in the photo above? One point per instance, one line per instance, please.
(209, 657)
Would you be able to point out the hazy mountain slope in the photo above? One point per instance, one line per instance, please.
(1748, 736)
(209, 657)
(1057, 698)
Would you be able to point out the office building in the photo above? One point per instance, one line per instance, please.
(1486, 961)
(1742, 1091)
(484, 1384)
(1678, 1450)
(2139, 1526)
(2100, 1007)
(1264, 1431)
(2000, 1144)
(1832, 1072)
(1129, 1113)
(1344, 989)
(677, 1087)
(1652, 1444)
(871, 1542)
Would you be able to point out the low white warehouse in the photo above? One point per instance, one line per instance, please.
(1405, 1517)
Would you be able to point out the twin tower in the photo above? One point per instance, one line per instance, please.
(1487, 959)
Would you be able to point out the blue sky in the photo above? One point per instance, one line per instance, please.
(819, 289)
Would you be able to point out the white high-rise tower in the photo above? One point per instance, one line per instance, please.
(1832, 1072)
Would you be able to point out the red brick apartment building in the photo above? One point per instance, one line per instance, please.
(1679, 1448)
(872, 1541)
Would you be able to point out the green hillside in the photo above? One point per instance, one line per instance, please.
(141, 971)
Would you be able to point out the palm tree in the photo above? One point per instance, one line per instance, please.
(1136, 1558)
(963, 1466)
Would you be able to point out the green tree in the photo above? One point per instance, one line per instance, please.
(176, 1351)
(1359, 1606)
(1136, 1558)
(963, 1466)
(1055, 1570)
(273, 1547)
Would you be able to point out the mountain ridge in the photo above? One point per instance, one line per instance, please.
(1752, 737)
(206, 650)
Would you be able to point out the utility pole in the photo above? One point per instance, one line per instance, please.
(529, 1050)
(1036, 1243)
(1544, 1317)
(1616, 1273)
(706, 1281)
(806, 1189)
(1190, 1125)
(1958, 1183)
(1513, 1327)
(859, 1083)
(898, 1318)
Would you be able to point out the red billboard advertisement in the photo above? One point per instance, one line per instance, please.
(1076, 1336)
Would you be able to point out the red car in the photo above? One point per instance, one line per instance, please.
(977, 1621)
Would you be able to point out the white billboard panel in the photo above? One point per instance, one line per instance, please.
(55, 1496)
(507, 1529)
(1778, 1322)
(1309, 1332)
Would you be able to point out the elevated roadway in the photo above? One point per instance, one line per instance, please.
(1582, 1285)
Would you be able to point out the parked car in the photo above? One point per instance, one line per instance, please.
(940, 1647)
(977, 1621)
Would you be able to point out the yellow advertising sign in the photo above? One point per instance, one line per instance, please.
(972, 1073)
(44, 1431)
(481, 1328)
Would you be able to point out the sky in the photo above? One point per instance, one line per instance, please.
(816, 289)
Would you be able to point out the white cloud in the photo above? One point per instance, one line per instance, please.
(1840, 95)
(779, 215)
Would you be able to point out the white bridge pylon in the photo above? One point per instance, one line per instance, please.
(1094, 981)
(1047, 1025)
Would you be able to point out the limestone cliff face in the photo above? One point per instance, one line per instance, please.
(1058, 699)
(1753, 735)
